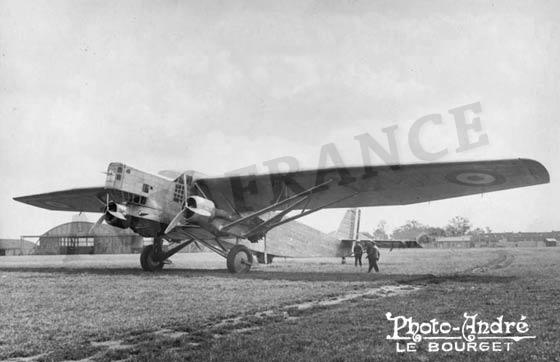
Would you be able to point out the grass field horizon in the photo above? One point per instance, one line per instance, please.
(74, 307)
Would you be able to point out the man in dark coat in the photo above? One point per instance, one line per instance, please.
(373, 256)
(358, 252)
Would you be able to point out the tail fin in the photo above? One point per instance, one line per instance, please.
(349, 225)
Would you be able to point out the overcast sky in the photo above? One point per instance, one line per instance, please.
(216, 86)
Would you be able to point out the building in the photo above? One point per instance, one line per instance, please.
(387, 243)
(537, 237)
(75, 238)
(10, 247)
(463, 241)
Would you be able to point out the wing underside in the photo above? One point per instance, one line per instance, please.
(91, 199)
(374, 186)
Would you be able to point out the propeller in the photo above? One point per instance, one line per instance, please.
(116, 210)
(111, 208)
(97, 223)
(179, 218)
(100, 220)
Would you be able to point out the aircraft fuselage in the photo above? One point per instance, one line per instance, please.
(149, 201)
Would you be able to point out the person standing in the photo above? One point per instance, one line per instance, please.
(358, 252)
(373, 256)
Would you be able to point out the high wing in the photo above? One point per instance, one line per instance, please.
(341, 187)
(373, 185)
(91, 199)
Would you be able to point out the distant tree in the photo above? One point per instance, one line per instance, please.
(476, 231)
(435, 231)
(380, 233)
(409, 231)
(458, 226)
(382, 225)
(430, 234)
(424, 238)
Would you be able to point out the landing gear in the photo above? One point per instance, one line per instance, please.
(239, 259)
(149, 260)
(261, 260)
(153, 258)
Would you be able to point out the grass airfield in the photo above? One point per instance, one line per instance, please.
(103, 307)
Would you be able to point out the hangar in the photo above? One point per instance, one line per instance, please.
(75, 238)
(10, 247)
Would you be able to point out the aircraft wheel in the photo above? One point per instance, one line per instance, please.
(239, 259)
(148, 260)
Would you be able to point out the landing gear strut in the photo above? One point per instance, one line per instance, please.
(239, 258)
(153, 257)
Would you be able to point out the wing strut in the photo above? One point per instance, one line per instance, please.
(272, 222)
(220, 251)
(304, 195)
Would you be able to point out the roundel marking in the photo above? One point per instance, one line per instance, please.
(475, 178)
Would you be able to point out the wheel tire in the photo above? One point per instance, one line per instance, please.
(147, 260)
(239, 259)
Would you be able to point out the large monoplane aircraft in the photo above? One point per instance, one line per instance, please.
(184, 207)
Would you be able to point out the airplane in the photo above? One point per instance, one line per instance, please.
(219, 212)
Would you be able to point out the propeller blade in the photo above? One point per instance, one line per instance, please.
(97, 223)
(176, 221)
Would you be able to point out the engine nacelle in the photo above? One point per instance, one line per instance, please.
(199, 210)
(113, 221)
(203, 212)
(116, 215)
